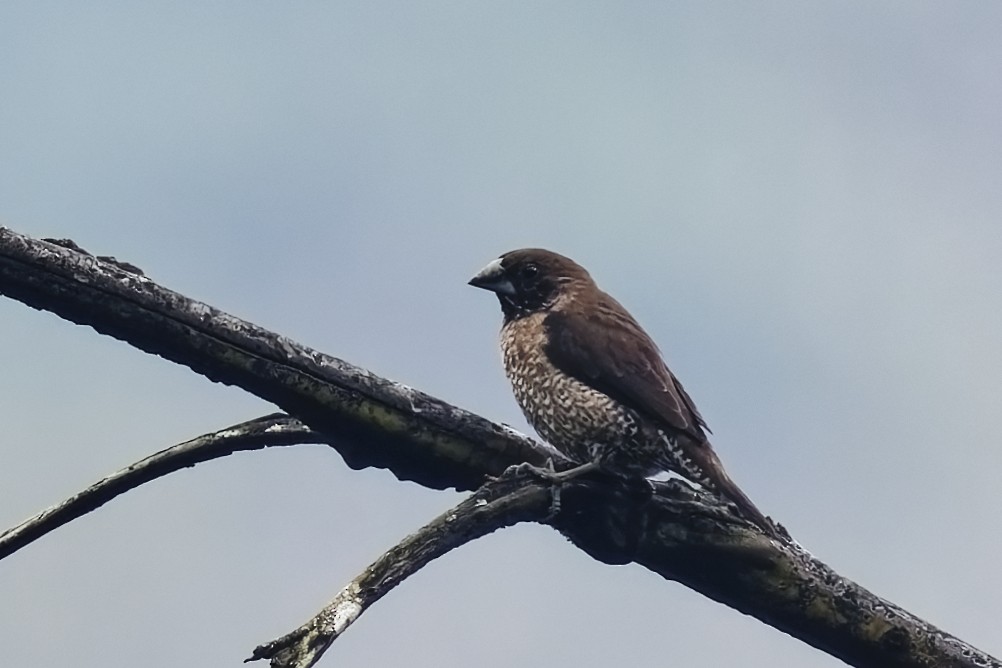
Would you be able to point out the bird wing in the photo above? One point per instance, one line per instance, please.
(606, 348)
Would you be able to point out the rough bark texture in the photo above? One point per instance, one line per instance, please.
(680, 533)
(374, 420)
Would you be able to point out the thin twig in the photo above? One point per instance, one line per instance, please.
(514, 497)
(263, 432)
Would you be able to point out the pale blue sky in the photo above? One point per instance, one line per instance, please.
(801, 202)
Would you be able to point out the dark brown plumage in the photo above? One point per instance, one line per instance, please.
(592, 382)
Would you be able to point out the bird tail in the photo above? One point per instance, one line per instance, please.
(716, 479)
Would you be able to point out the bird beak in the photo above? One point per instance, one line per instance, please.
(493, 278)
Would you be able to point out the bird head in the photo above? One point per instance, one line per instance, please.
(530, 280)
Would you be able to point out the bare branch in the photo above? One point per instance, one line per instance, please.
(692, 538)
(683, 535)
(263, 432)
(514, 497)
(377, 422)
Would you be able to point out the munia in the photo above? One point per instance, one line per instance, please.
(592, 382)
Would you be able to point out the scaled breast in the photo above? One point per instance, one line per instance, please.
(572, 416)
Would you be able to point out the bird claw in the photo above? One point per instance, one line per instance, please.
(557, 479)
(546, 473)
(525, 468)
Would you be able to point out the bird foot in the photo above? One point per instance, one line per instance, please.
(544, 472)
(556, 479)
(549, 474)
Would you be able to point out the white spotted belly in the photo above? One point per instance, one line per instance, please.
(580, 421)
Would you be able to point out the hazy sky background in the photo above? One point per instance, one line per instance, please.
(802, 202)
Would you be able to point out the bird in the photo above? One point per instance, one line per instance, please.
(593, 383)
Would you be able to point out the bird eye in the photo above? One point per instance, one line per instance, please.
(530, 271)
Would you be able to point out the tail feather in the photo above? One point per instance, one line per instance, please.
(710, 473)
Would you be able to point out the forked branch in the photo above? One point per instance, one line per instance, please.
(679, 533)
